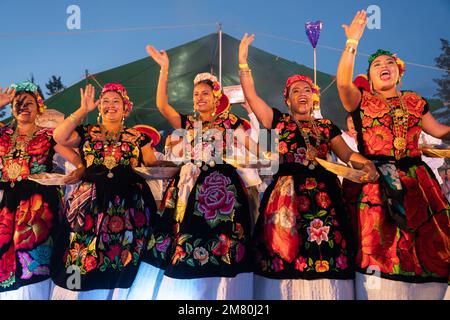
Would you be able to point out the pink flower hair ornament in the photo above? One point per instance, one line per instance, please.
(224, 102)
(120, 89)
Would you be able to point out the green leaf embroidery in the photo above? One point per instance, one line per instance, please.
(190, 262)
(183, 238)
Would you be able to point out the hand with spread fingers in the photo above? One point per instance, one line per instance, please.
(7, 96)
(357, 26)
(160, 57)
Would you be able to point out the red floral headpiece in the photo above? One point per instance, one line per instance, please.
(120, 89)
(300, 77)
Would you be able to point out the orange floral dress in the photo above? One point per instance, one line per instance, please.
(402, 235)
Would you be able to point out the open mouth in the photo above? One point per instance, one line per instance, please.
(201, 104)
(110, 111)
(302, 100)
(385, 75)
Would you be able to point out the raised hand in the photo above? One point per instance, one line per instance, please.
(243, 47)
(160, 57)
(88, 102)
(356, 28)
(7, 96)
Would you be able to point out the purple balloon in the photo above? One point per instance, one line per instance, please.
(312, 29)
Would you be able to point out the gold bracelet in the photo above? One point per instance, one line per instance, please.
(352, 41)
(350, 49)
(245, 72)
(243, 66)
(74, 119)
(166, 72)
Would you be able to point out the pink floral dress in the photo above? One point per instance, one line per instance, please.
(303, 230)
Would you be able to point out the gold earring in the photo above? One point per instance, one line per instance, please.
(99, 119)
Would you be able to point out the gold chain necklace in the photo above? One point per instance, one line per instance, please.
(109, 161)
(400, 126)
(14, 169)
(311, 151)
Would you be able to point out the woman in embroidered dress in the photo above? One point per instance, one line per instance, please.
(403, 237)
(108, 216)
(208, 252)
(29, 212)
(302, 238)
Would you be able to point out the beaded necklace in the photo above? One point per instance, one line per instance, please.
(109, 160)
(311, 151)
(18, 148)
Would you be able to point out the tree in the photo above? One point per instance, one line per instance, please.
(443, 62)
(54, 85)
(39, 87)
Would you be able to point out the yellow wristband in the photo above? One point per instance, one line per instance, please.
(243, 66)
(352, 41)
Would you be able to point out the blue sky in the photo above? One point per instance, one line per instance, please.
(34, 37)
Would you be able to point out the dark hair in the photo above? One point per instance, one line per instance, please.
(24, 92)
(208, 82)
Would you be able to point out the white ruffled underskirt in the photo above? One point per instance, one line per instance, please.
(370, 287)
(300, 289)
(36, 291)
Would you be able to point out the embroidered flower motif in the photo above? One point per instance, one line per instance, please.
(215, 200)
(378, 140)
(34, 220)
(201, 255)
(222, 247)
(322, 266)
(311, 183)
(303, 203)
(341, 262)
(178, 255)
(116, 224)
(31, 267)
(300, 263)
(323, 200)
(373, 106)
(164, 244)
(300, 155)
(317, 232)
(277, 264)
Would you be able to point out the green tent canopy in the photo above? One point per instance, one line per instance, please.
(140, 78)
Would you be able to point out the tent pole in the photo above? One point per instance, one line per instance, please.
(220, 54)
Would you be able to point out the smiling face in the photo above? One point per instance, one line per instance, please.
(204, 99)
(24, 107)
(384, 73)
(112, 107)
(300, 98)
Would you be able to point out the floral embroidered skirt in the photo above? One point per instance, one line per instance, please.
(303, 230)
(420, 253)
(28, 222)
(210, 224)
(107, 226)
